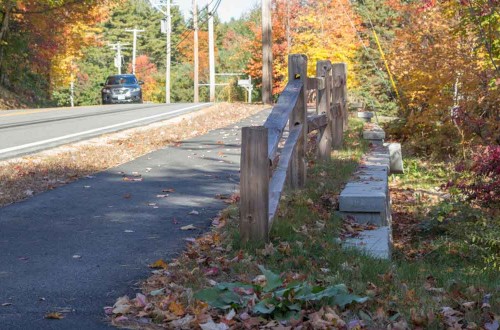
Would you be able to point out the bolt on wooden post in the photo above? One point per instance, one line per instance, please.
(254, 185)
(297, 70)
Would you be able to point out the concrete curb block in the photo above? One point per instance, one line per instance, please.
(366, 196)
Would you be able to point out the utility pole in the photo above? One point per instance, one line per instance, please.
(267, 53)
(211, 55)
(135, 31)
(118, 58)
(157, 4)
(195, 26)
(169, 55)
(288, 35)
(72, 92)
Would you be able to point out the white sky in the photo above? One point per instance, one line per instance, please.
(227, 8)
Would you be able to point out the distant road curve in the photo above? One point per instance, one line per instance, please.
(27, 131)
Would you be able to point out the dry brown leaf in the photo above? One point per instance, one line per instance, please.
(128, 179)
(54, 316)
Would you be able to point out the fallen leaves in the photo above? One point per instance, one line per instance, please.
(132, 179)
(54, 316)
(122, 305)
(176, 308)
(351, 228)
(228, 274)
(159, 264)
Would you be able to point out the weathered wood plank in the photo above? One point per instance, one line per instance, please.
(324, 70)
(323, 102)
(315, 122)
(312, 83)
(315, 83)
(297, 69)
(340, 89)
(254, 185)
(279, 177)
(277, 120)
(337, 126)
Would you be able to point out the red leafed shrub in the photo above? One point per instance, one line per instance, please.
(480, 181)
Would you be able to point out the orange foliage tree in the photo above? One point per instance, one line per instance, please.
(146, 71)
(186, 48)
(322, 30)
(284, 16)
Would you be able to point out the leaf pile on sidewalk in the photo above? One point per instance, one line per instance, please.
(199, 290)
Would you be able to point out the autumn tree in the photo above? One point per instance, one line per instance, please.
(283, 19)
(447, 79)
(38, 51)
(319, 29)
(146, 71)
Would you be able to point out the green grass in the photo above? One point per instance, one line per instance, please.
(423, 174)
(304, 239)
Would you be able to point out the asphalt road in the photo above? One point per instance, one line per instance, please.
(77, 248)
(27, 131)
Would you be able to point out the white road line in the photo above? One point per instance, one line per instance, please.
(34, 144)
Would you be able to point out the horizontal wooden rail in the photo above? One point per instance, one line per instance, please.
(316, 122)
(278, 119)
(279, 177)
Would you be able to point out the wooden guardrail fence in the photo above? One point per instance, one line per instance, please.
(269, 161)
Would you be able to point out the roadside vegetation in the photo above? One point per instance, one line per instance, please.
(440, 277)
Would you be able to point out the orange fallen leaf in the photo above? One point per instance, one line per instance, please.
(54, 316)
(160, 263)
(176, 308)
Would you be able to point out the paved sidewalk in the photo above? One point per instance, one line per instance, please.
(77, 248)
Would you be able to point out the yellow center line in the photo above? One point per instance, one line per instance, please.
(28, 112)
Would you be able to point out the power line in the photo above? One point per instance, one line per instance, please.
(188, 30)
(365, 48)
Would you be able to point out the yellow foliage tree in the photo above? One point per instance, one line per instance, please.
(326, 31)
(445, 82)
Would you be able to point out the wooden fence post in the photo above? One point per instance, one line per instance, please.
(254, 185)
(297, 69)
(338, 126)
(340, 90)
(323, 105)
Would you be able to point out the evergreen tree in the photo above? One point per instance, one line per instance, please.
(375, 88)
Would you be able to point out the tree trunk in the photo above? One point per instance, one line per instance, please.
(9, 6)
